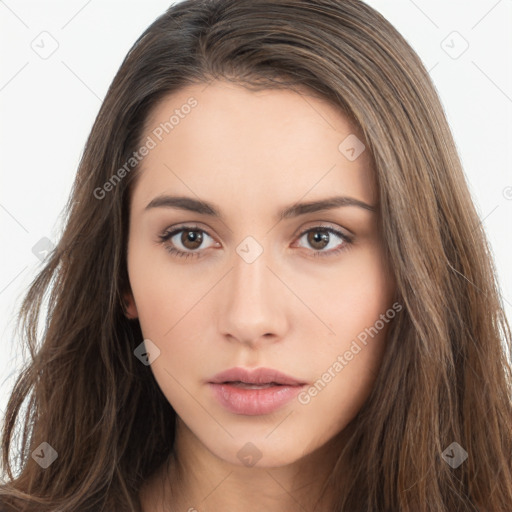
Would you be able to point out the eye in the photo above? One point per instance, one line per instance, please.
(186, 241)
(320, 237)
(191, 238)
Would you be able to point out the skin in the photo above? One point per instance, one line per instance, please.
(252, 154)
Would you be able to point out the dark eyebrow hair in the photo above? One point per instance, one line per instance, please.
(206, 208)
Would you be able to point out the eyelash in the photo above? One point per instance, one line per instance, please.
(184, 254)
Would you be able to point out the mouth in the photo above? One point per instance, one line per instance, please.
(248, 385)
(252, 393)
(261, 377)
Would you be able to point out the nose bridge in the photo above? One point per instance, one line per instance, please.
(250, 275)
(252, 307)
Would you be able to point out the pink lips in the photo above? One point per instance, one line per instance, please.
(232, 388)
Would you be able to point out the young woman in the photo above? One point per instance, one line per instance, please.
(273, 291)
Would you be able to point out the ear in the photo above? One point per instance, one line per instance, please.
(130, 309)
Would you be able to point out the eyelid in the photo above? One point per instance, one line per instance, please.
(298, 232)
(324, 224)
(170, 232)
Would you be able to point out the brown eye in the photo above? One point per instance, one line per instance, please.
(318, 239)
(191, 239)
(185, 241)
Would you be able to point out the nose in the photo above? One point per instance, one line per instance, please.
(254, 303)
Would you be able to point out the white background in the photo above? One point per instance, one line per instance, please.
(48, 107)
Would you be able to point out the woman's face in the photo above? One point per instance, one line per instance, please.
(249, 288)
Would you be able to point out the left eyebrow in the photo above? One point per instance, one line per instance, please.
(205, 208)
(324, 204)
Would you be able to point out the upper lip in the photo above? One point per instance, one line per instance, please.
(255, 376)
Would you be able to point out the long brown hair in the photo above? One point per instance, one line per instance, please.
(445, 376)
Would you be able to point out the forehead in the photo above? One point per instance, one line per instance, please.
(222, 140)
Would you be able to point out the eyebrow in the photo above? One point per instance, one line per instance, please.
(205, 208)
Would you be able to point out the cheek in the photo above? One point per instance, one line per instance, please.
(357, 303)
(169, 301)
(355, 295)
(157, 289)
(164, 298)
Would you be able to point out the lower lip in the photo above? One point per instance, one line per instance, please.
(253, 402)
